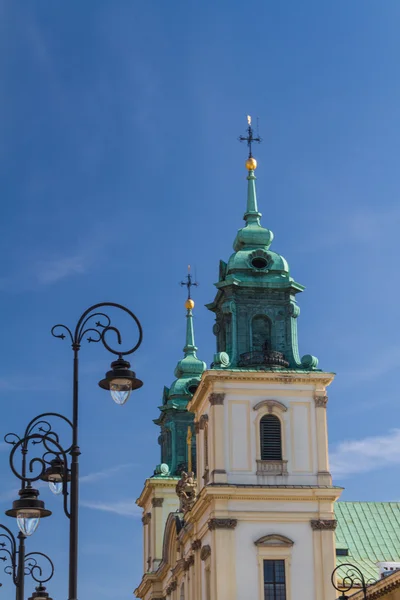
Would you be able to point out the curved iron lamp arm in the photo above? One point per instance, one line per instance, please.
(97, 333)
(52, 447)
(354, 578)
(22, 564)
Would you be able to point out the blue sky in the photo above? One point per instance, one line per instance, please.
(119, 165)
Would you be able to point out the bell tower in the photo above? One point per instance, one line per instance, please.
(258, 522)
(255, 306)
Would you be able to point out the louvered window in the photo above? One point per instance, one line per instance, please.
(270, 438)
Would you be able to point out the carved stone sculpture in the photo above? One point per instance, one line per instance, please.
(186, 491)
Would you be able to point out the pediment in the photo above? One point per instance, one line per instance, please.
(270, 405)
(274, 540)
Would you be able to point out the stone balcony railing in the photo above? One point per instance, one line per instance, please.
(272, 467)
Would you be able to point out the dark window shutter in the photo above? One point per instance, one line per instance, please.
(270, 438)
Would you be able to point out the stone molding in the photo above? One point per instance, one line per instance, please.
(218, 472)
(196, 545)
(271, 467)
(321, 401)
(157, 502)
(203, 421)
(205, 552)
(146, 518)
(274, 540)
(323, 524)
(270, 404)
(222, 524)
(216, 399)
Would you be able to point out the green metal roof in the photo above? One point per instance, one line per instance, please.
(371, 533)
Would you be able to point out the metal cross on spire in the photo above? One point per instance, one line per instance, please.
(250, 139)
(189, 283)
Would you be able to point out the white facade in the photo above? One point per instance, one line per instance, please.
(248, 510)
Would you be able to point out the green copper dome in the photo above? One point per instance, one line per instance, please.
(255, 306)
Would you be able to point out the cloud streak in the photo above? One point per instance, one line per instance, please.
(367, 454)
(124, 508)
(99, 475)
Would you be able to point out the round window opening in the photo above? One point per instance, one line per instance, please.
(193, 388)
(259, 263)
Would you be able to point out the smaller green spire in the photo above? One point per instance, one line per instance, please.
(190, 346)
(252, 215)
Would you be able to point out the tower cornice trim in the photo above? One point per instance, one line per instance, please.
(211, 378)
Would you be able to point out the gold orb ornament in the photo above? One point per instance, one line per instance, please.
(251, 164)
(189, 304)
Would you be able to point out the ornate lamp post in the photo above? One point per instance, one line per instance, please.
(53, 464)
(353, 578)
(22, 564)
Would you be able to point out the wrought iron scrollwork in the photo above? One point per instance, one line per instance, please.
(99, 332)
(40, 434)
(351, 577)
(32, 562)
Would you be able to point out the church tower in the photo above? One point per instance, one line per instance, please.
(258, 521)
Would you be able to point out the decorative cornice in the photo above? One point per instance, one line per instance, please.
(157, 502)
(196, 545)
(205, 552)
(146, 518)
(222, 524)
(216, 399)
(203, 421)
(323, 525)
(270, 404)
(210, 377)
(321, 401)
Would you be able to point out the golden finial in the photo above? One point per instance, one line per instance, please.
(251, 164)
(248, 120)
(189, 304)
(189, 448)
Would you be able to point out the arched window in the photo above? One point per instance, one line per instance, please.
(261, 333)
(270, 438)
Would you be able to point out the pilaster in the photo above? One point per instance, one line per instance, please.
(223, 558)
(321, 401)
(324, 557)
(218, 473)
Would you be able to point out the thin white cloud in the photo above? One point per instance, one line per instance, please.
(367, 454)
(99, 475)
(124, 508)
(48, 272)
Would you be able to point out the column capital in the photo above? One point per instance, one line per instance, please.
(146, 518)
(222, 524)
(323, 524)
(157, 502)
(216, 399)
(321, 401)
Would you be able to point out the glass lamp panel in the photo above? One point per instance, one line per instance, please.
(120, 390)
(28, 521)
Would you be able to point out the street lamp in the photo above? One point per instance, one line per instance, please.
(40, 593)
(22, 564)
(53, 464)
(28, 510)
(353, 578)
